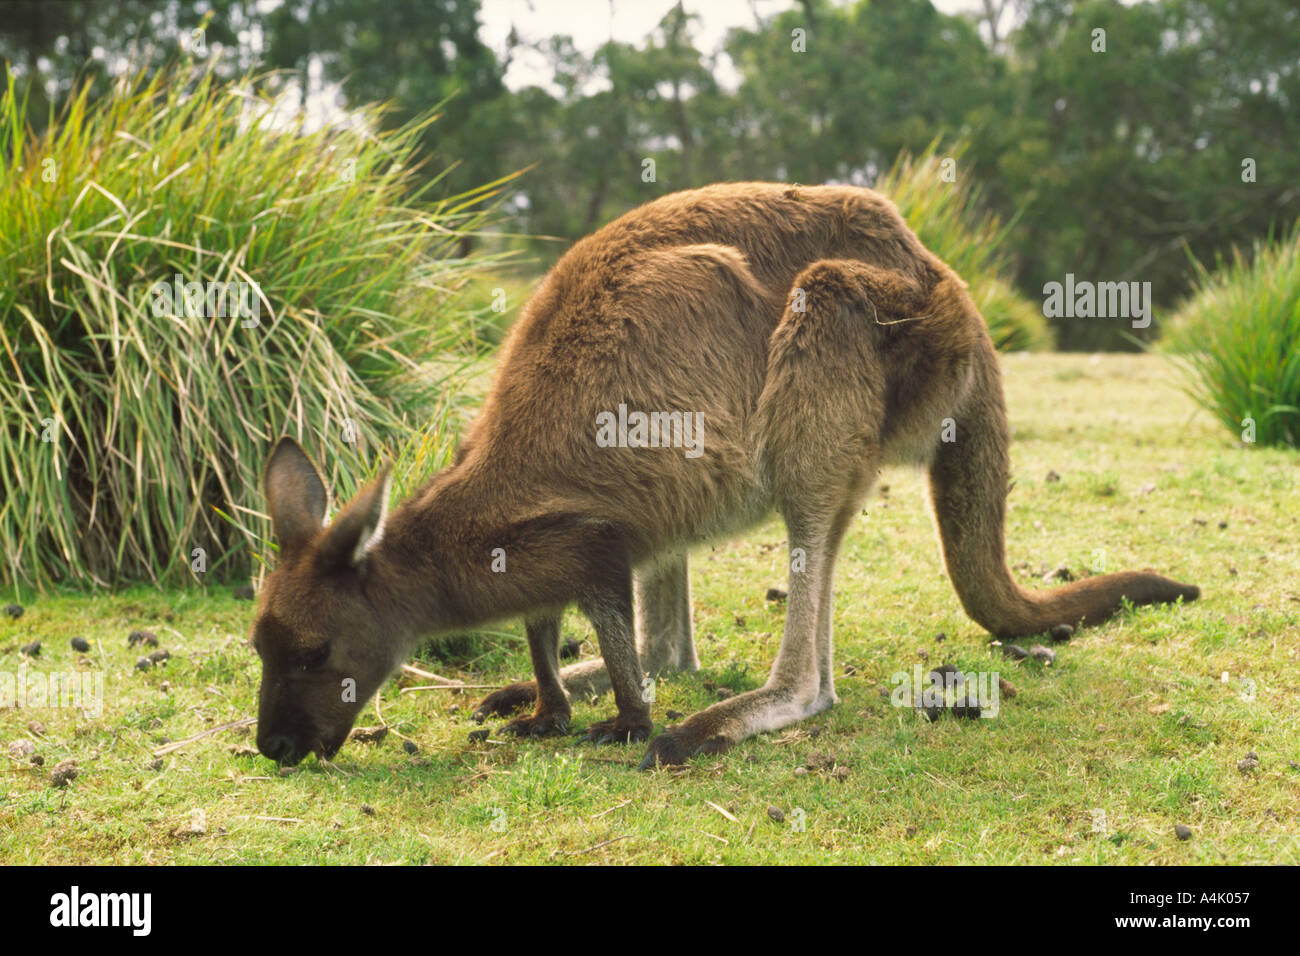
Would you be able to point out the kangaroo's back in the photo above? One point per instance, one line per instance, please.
(670, 308)
(779, 230)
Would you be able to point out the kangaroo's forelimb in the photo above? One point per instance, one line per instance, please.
(664, 640)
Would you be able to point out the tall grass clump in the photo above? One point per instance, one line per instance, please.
(133, 428)
(947, 219)
(1237, 341)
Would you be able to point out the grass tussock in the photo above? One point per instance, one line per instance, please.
(312, 277)
(1237, 340)
(947, 219)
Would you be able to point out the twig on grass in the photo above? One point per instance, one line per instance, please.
(247, 816)
(408, 690)
(616, 806)
(726, 813)
(429, 675)
(597, 846)
(380, 714)
(178, 744)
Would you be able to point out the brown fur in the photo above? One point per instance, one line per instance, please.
(819, 339)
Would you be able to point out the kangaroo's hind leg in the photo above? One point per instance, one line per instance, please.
(662, 600)
(822, 413)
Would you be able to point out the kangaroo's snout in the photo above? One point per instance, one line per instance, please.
(281, 748)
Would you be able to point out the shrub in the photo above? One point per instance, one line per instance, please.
(1015, 323)
(947, 219)
(1237, 341)
(134, 430)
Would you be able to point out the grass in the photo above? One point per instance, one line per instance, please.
(1131, 731)
(132, 425)
(1237, 340)
(489, 304)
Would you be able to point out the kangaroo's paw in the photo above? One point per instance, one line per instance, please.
(508, 700)
(539, 725)
(725, 724)
(618, 730)
(676, 745)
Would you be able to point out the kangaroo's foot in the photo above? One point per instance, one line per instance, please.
(547, 691)
(539, 725)
(507, 701)
(584, 679)
(623, 729)
(719, 728)
(608, 605)
(663, 633)
(676, 745)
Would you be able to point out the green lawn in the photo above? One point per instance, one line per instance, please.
(1133, 729)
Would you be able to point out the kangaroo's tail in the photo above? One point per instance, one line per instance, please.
(969, 481)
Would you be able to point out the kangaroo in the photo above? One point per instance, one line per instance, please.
(809, 336)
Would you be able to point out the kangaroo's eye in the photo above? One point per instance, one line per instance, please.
(314, 659)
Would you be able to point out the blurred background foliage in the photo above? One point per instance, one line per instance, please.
(133, 429)
(1112, 165)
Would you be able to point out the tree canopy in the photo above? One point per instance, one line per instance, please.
(1116, 139)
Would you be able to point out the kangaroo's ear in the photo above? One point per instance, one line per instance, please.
(295, 495)
(359, 526)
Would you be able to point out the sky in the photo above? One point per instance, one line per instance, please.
(593, 22)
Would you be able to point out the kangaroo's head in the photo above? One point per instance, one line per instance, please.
(325, 648)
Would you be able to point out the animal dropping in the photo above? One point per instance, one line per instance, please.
(64, 772)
